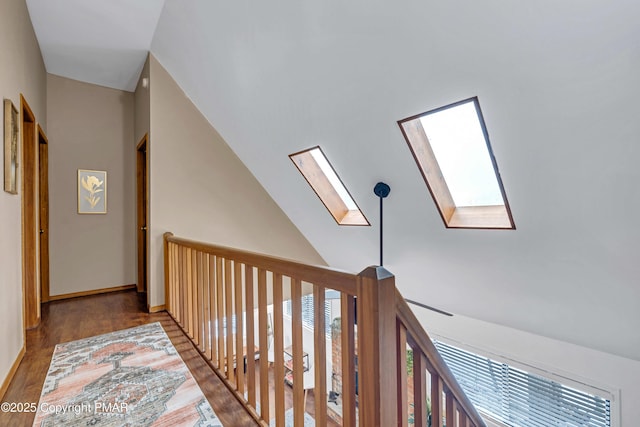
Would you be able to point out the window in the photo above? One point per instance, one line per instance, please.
(321, 176)
(214, 324)
(451, 147)
(308, 313)
(518, 398)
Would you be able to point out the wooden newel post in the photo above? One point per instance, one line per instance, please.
(377, 358)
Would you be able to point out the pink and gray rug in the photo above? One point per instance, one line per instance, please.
(132, 377)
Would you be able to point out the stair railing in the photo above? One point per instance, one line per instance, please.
(229, 302)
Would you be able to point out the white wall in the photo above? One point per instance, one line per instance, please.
(570, 364)
(558, 86)
(90, 127)
(21, 71)
(200, 190)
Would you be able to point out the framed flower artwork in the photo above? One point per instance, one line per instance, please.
(92, 192)
(11, 133)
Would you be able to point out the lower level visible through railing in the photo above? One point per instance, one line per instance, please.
(285, 338)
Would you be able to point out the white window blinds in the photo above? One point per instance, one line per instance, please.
(518, 398)
(308, 313)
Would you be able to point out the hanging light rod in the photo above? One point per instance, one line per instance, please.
(381, 190)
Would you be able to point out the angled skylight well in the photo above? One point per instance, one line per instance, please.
(316, 169)
(452, 150)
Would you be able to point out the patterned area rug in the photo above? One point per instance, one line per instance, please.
(132, 377)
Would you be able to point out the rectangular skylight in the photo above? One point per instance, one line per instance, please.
(324, 180)
(322, 161)
(451, 147)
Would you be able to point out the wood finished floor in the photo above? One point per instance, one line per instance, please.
(73, 319)
(78, 318)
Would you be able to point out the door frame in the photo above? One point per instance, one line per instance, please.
(43, 212)
(142, 213)
(30, 200)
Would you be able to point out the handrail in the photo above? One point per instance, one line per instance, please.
(340, 280)
(419, 340)
(229, 302)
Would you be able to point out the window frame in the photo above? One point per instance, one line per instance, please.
(473, 217)
(326, 192)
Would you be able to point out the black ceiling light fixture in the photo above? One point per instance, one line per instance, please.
(381, 190)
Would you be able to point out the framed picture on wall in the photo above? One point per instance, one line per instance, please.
(11, 131)
(92, 192)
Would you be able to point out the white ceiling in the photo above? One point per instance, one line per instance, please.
(104, 42)
(558, 85)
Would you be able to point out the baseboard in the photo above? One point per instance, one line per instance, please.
(12, 372)
(156, 308)
(91, 292)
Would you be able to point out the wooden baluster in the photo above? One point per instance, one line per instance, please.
(240, 347)
(168, 297)
(220, 314)
(436, 400)
(419, 387)
(228, 300)
(213, 311)
(451, 410)
(174, 280)
(464, 419)
(299, 401)
(188, 292)
(195, 329)
(206, 310)
(249, 307)
(320, 348)
(278, 349)
(347, 313)
(401, 355)
(264, 345)
(167, 272)
(182, 289)
(197, 297)
(176, 283)
(185, 286)
(378, 380)
(190, 298)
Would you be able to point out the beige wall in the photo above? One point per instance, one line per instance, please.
(91, 127)
(201, 190)
(142, 105)
(21, 71)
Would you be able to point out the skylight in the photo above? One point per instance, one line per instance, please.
(316, 169)
(452, 150)
(328, 171)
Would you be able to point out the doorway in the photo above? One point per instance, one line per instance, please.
(43, 209)
(142, 196)
(31, 290)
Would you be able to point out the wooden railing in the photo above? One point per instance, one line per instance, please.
(431, 379)
(230, 304)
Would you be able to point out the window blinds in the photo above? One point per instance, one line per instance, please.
(520, 399)
(308, 313)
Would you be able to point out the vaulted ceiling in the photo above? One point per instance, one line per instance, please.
(558, 86)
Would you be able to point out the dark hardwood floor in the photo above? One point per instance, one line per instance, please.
(77, 318)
